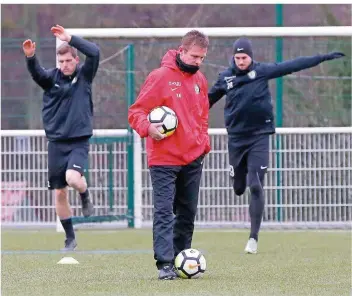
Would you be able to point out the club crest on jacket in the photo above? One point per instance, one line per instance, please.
(252, 74)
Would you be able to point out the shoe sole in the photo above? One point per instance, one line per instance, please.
(168, 278)
(71, 250)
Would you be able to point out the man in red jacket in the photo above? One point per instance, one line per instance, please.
(175, 162)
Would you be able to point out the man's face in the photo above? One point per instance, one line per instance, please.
(67, 63)
(193, 56)
(242, 60)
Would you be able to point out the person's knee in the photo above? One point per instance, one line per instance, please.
(163, 208)
(239, 190)
(61, 195)
(256, 189)
(163, 213)
(73, 178)
(239, 186)
(255, 185)
(187, 216)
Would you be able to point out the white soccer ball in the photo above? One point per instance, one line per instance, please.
(190, 264)
(167, 117)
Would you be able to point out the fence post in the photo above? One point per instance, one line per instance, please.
(130, 145)
(279, 108)
(137, 149)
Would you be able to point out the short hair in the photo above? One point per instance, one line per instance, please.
(195, 37)
(65, 48)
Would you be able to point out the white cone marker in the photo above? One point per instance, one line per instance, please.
(68, 260)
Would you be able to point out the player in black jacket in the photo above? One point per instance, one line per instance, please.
(67, 118)
(249, 120)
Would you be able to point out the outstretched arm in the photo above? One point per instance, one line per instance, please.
(89, 49)
(276, 70)
(41, 76)
(217, 91)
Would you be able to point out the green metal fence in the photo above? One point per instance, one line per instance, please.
(320, 96)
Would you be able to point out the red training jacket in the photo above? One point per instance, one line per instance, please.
(187, 95)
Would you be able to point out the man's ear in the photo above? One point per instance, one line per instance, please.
(77, 59)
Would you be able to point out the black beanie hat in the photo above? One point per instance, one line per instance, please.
(243, 45)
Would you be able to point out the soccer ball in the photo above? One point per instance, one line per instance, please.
(190, 264)
(166, 116)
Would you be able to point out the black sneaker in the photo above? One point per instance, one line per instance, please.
(167, 272)
(87, 208)
(175, 271)
(70, 245)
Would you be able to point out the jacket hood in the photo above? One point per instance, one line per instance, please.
(169, 59)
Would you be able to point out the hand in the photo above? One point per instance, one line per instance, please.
(154, 132)
(60, 33)
(334, 55)
(28, 48)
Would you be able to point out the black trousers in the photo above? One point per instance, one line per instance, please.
(175, 197)
(249, 159)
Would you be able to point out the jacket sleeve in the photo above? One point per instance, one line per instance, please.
(148, 98)
(40, 75)
(205, 120)
(275, 70)
(92, 53)
(217, 91)
(205, 115)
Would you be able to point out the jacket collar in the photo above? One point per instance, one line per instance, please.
(69, 77)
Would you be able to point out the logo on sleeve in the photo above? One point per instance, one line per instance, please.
(229, 81)
(197, 89)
